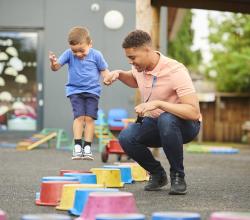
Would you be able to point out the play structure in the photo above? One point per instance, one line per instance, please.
(112, 147)
(46, 136)
(108, 143)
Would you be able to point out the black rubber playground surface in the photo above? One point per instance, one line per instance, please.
(215, 182)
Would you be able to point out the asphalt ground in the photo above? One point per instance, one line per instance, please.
(215, 182)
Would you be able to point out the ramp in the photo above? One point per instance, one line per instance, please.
(35, 141)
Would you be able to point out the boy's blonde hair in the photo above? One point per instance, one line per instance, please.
(79, 35)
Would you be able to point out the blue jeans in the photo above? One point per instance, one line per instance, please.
(167, 131)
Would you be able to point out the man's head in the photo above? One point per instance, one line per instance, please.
(138, 48)
(79, 41)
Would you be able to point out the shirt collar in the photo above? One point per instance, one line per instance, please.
(157, 67)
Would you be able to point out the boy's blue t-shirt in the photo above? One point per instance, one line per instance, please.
(83, 75)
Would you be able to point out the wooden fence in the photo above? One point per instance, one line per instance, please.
(224, 116)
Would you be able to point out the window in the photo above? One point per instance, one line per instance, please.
(18, 80)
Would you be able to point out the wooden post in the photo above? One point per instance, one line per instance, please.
(143, 22)
(218, 125)
(155, 31)
(148, 19)
(144, 15)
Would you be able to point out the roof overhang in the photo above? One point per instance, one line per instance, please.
(242, 6)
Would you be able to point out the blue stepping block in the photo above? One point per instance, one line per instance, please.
(175, 216)
(120, 217)
(224, 151)
(59, 178)
(81, 197)
(46, 217)
(87, 178)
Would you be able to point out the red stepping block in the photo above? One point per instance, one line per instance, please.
(50, 193)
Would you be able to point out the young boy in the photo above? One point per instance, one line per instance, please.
(85, 65)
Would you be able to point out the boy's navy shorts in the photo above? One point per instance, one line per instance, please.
(84, 104)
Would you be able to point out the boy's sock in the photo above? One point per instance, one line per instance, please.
(86, 143)
(78, 142)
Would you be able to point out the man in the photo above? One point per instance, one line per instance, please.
(169, 115)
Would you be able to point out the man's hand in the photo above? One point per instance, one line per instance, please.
(109, 78)
(143, 108)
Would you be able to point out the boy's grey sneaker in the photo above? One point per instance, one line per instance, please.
(156, 182)
(77, 152)
(87, 154)
(178, 184)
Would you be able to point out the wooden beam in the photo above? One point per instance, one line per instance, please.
(242, 6)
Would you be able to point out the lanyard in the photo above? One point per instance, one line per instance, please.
(153, 84)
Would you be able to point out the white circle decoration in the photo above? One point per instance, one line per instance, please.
(1, 67)
(16, 63)
(18, 105)
(3, 56)
(12, 51)
(95, 7)
(5, 96)
(2, 82)
(10, 71)
(4, 109)
(22, 79)
(113, 19)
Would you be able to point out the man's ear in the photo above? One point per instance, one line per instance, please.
(147, 48)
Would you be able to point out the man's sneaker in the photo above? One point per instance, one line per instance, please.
(156, 182)
(87, 154)
(77, 152)
(178, 185)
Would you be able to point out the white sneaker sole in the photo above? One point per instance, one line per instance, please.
(76, 157)
(87, 157)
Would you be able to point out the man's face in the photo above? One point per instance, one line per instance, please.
(80, 50)
(138, 57)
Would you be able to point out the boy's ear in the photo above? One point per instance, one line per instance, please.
(91, 43)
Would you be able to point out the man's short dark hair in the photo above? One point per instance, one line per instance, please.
(137, 38)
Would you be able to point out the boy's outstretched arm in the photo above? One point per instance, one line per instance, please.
(54, 65)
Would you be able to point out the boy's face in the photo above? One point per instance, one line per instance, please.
(80, 50)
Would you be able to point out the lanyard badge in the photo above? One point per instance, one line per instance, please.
(139, 119)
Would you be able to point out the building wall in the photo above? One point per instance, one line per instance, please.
(53, 19)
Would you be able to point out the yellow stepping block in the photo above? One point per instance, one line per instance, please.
(108, 177)
(138, 172)
(68, 194)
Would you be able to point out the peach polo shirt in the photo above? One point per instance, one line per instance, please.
(173, 81)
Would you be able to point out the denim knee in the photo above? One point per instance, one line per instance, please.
(124, 138)
(167, 121)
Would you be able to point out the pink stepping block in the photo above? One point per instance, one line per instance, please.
(50, 192)
(2, 215)
(230, 216)
(108, 203)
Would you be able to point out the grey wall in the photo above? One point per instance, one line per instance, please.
(54, 18)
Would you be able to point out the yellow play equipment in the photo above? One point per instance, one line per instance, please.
(47, 135)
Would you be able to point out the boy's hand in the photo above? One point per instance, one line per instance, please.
(111, 77)
(53, 62)
(52, 58)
